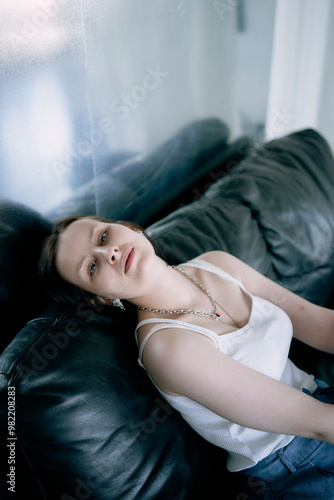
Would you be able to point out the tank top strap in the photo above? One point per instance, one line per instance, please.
(207, 266)
(161, 324)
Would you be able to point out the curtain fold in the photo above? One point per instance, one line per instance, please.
(302, 64)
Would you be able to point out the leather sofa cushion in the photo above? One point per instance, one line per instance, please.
(88, 419)
(274, 210)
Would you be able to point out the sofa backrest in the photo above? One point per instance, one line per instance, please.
(274, 211)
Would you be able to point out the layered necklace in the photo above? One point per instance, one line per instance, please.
(213, 315)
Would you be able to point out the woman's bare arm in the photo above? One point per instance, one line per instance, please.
(183, 363)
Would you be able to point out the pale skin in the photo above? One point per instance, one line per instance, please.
(116, 262)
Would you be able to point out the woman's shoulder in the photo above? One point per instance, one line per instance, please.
(217, 257)
(167, 359)
(225, 261)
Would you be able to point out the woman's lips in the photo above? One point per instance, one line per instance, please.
(128, 259)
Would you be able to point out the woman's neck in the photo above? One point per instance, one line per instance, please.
(171, 290)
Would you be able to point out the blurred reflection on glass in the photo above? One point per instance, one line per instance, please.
(85, 86)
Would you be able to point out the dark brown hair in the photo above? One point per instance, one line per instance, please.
(58, 288)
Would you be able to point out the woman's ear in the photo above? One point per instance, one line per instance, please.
(111, 302)
(105, 301)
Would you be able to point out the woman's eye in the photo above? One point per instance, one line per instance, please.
(103, 237)
(92, 268)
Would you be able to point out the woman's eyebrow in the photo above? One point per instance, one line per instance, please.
(91, 240)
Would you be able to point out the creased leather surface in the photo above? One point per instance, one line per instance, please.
(88, 418)
(275, 211)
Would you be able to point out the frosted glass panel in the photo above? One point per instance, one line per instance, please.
(86, 85)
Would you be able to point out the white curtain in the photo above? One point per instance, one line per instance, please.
(302, 70)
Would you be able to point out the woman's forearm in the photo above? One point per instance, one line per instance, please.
(325, 425)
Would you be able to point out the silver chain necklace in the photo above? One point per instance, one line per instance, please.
(214, 315)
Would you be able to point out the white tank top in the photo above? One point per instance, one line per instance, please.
(262, 344)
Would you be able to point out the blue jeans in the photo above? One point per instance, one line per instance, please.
(302, 470)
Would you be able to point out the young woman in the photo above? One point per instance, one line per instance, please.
(214, 336)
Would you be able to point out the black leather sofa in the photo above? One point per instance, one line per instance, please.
(88, 422)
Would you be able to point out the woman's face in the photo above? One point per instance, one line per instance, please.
(109, 260)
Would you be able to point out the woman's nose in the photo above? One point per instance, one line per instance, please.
(110, 253)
